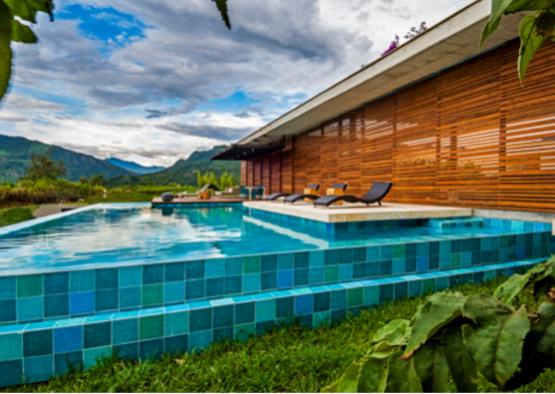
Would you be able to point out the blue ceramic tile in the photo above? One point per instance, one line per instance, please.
(268, 263)
(129, 297)
(30, 308)
(56, 305)
(56, 283)
(36, 343)
(174, 272)
(153, 273)
(285, 279)
(199, 340)
(194, 269)
(12, 373)
(81, 280)
(125, 331)
(106, 300)
(66, 362)
(176, 344)
(81, 303)
(96, 335)
(285, 307)
(38, 368)
(106, 278)
(200, 320)
(303, 305)
(174, 291)
(11, 347)
(68, 339)
(223, 316)
(7, 311)
(7, 288)
(130, 276)
(214, 268)
(215, 287)
(244, 313)
(194, 289)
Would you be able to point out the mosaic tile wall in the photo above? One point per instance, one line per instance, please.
(35, 352)
(31, 298)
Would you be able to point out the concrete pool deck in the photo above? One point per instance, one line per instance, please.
(356, 213)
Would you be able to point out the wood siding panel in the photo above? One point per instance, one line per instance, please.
(470, 136)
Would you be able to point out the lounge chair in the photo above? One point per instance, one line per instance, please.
(376, 194)
(301, 196)
(275, 196)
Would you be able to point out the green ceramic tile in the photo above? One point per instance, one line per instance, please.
(331, 273)
(354, 297)
(151, 327)
(11, 347)
(251, 264)
(29, 285)
(93, 355)
(153, 295)
(177, 323)
(242, 332)
(265, 311)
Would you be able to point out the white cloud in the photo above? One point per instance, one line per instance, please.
(277, 52)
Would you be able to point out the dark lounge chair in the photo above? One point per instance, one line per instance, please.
(376, 194)
(301, 196)
(275, 196)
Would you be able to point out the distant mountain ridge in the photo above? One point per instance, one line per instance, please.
(16, 153)
(184, 170)
(133, 167)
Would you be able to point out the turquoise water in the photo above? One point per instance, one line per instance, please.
(130, 234)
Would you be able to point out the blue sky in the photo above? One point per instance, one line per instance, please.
(152, 81)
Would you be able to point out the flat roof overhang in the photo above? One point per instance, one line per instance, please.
(246, 152)
(444, 45)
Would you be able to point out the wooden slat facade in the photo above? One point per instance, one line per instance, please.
(470, 136)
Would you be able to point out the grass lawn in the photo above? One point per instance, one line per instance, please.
(15, 215)
(289, 359)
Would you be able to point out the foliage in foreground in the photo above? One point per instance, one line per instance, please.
(15, 215)
(459, 338)
(47, 191)
(288, 359)
(535, 30)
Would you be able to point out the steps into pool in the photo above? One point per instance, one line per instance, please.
(37, 351)
(456, 223)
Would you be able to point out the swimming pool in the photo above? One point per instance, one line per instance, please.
(138, 281)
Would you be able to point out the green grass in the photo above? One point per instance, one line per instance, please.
(15, 215)
(290, 359)
(137, 193)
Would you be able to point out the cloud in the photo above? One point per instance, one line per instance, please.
(152, 80)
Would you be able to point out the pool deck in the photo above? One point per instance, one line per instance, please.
(352, 213)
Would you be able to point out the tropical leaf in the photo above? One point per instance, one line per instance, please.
(530, 42)
(431, 364)
(222, 7)
(5, 48)
(498, 8)
(528, 5)
(27, 9)
(403, 377)
(348, 382)
(22, 33)
(373, 375)
(497, 340)
(461, 364)
(509, 290)
(438, 311)
(395, 332)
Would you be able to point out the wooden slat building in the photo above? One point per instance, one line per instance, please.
(447, 128)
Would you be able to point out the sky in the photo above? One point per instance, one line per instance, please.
(154, 80)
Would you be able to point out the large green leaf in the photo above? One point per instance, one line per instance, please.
(546, 332)
(348, 382)
(222, 7)
(509, 290)
(395, 332)
(5, 48)
(461, 364)
(403, 377)
(373, 375)
(498, 8)
(528, 5)
(530, 42)
(438, 311)
(497, 340)
(27, 9)
(431, 365)
(22, 33)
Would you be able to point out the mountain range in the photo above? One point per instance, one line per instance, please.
(16, 153)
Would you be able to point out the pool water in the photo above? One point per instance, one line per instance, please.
(135, 233)
(138, 282)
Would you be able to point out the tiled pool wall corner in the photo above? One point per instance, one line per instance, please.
(38, 351)
(38, 297)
